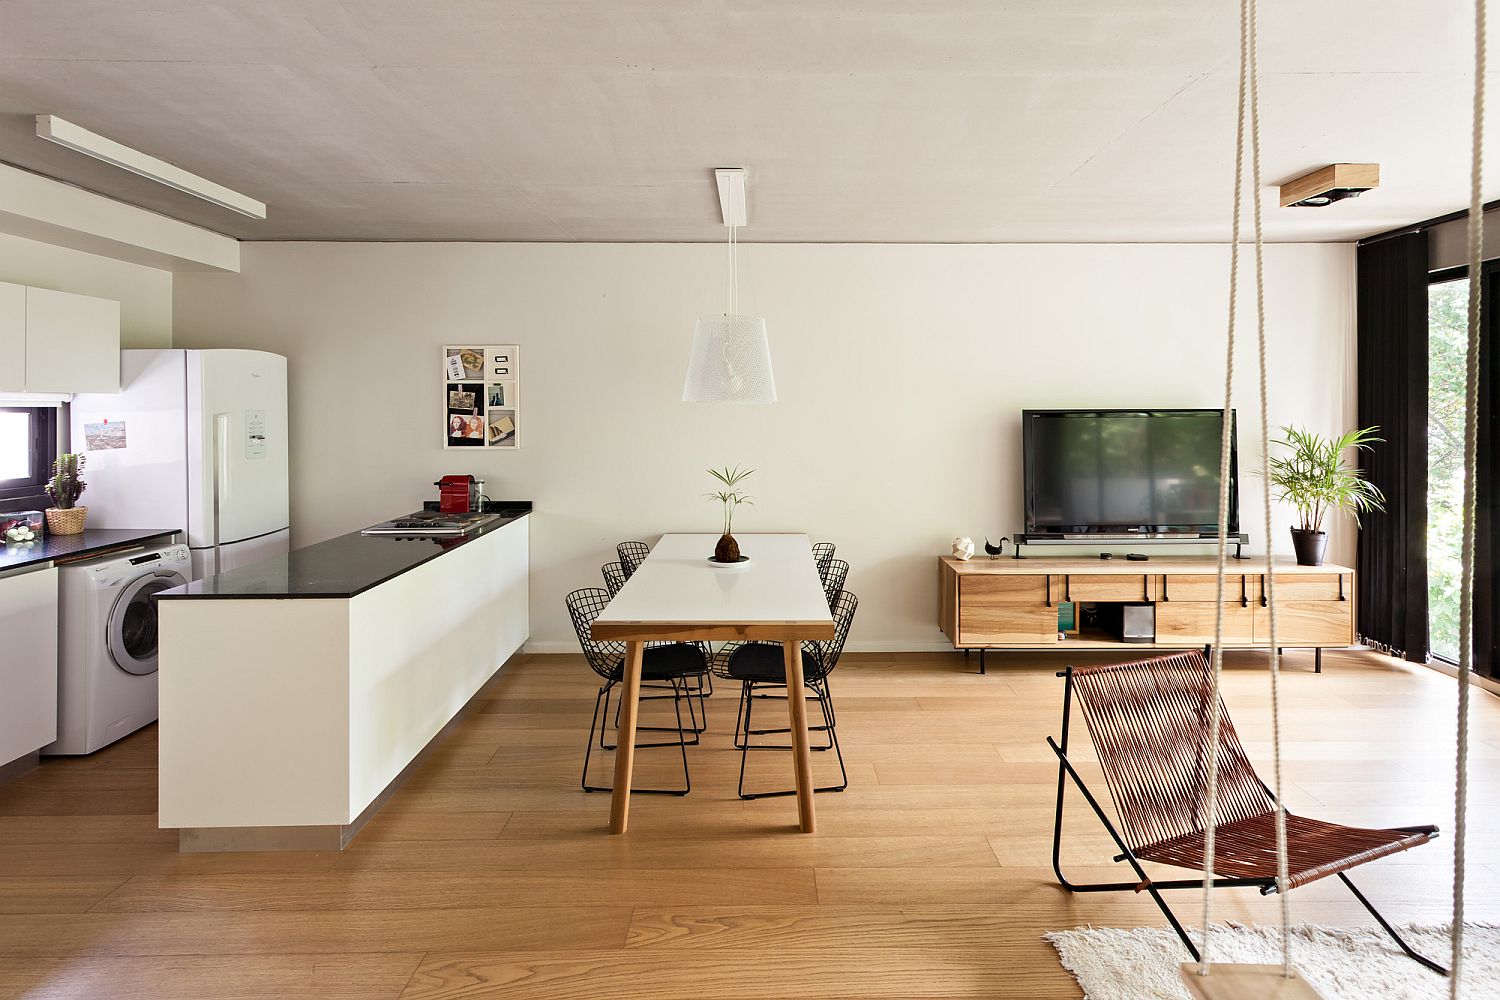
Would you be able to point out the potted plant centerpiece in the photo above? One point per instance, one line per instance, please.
(1314, 479)
(728, 550)
(65, 517)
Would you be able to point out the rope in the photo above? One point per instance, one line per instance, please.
(1249, 81)
(1215, 712)
(1282, 878)
(1471, 454)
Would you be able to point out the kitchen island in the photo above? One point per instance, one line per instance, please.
(296, 691)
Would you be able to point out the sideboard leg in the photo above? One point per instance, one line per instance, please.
(1318, 660)
(981, 662)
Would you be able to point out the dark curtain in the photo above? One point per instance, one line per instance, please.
(1487, 510)
(1392, 387)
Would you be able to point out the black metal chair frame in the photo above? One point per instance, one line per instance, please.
(604, 658)
(614, 579)
(1144, 882)
(823, 657)
(632, 554)
(834, 577)
(822, 552)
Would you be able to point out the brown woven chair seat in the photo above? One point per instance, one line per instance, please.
(1315, 849)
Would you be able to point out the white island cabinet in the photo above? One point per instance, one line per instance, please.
(296, 691)
(28, 663)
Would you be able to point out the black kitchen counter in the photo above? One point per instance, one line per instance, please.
(340, 567)
(60, 548)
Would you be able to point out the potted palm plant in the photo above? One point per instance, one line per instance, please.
(1314, 478)
(728, 550)
(65, 517)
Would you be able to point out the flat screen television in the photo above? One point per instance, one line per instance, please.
(1127, 472)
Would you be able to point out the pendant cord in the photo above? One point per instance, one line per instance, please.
(1471, 455)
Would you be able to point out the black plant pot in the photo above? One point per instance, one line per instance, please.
(1310, 546)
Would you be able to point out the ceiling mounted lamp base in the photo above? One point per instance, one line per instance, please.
(1329, 184)
(731, 356)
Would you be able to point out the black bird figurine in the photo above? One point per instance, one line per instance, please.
(995, 550)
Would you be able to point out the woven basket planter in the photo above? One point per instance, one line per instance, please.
(67, 521)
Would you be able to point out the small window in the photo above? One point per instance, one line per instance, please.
(28, 445)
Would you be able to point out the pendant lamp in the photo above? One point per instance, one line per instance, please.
(731, 358)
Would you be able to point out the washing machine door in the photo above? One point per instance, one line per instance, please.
(131, 629)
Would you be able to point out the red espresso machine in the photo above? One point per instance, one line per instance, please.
(459, 494)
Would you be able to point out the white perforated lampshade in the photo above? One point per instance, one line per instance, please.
(730, 363)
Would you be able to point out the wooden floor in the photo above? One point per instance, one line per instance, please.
(490, 874)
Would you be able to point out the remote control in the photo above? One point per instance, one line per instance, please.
(1137, 556)
(1106, 555)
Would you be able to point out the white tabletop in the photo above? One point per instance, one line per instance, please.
(678, 584)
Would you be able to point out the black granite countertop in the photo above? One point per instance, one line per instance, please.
(90, 543)
(341, 567)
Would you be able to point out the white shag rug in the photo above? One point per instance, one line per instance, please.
(1341, 963)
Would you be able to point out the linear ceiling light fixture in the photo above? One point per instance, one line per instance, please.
(731, 358)
(1329, 184)
(76, 137)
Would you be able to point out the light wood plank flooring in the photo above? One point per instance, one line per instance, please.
(490, 874)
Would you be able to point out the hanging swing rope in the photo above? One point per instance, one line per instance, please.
(1471, 455)
(1248, 99)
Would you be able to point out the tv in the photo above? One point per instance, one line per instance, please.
(1146, 473)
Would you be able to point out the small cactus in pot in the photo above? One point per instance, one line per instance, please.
(65, 517)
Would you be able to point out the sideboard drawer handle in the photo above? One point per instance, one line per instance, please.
(1049, 590)
(1164, 589)
(1263, 590)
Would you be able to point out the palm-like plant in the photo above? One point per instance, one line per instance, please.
(730, 496)
(1315, 479)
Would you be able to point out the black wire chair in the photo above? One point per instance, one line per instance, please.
(822, 552)
(632, 554)
(667, 666)
(614, 577)
(762, 665)
(833, 579)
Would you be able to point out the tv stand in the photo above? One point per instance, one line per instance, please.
(1239, 540)
(988, 604)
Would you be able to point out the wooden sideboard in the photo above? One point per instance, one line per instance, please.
(1012, 603)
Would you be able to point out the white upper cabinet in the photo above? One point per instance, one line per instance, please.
(57, 341)
(12, 335)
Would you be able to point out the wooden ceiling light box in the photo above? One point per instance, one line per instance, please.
(1329, 184)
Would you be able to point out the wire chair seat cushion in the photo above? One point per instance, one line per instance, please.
(665, 662)
(1149, 721)
(765, 663)
(1247, 848)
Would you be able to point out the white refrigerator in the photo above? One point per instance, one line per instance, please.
(195, 440)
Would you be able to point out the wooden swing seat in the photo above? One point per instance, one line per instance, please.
(1149, 721)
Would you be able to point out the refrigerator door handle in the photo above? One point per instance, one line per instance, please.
(221, 474)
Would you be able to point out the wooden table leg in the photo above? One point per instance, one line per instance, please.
(796, 703)
(630, 693)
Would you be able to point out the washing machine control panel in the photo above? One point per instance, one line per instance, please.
(177, 555)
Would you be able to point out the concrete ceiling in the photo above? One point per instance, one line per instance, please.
(881, 120)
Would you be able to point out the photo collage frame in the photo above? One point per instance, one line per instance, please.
(482, 396)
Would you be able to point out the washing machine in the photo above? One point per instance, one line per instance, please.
(107, 645)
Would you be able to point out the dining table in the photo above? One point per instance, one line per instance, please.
(680, 594)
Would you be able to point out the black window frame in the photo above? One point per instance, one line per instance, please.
(27, 492)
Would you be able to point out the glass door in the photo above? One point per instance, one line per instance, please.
(1447, 335)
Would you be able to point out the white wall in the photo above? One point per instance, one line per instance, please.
(902, 371)
(144, 293)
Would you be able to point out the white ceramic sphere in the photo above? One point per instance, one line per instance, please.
(963, 547)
